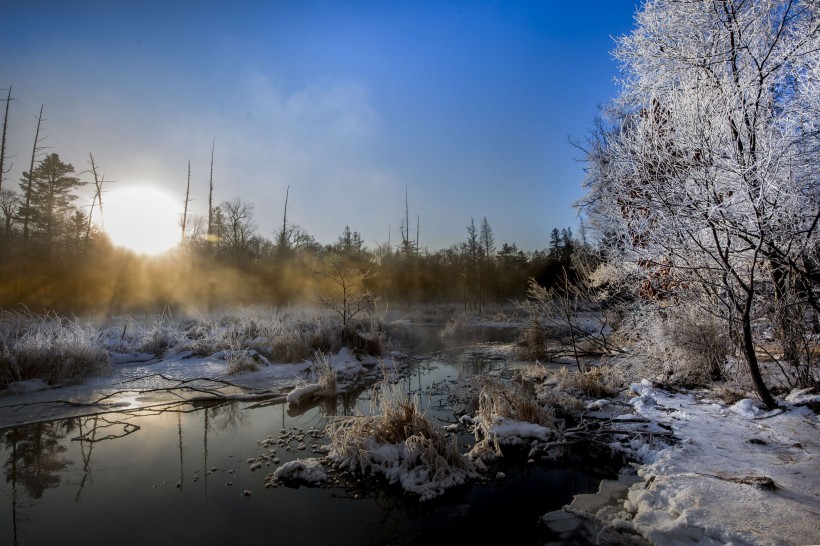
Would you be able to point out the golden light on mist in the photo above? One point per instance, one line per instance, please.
(144, 219)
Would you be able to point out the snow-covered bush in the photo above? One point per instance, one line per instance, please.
(164, 335)
(278, 335)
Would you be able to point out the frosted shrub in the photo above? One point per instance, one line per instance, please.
(279, 335)
(56, 349)
(689, 347)
(162, 336)
(241, 361)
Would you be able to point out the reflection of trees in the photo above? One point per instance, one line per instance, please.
(36, 456)
(228, 416)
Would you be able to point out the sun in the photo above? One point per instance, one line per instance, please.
(144, 219)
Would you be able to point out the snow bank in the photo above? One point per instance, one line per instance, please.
(737, 475)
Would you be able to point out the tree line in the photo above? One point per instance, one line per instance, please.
(55, 256)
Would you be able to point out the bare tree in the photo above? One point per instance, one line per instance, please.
(3, 168)
(185, 210)
(36, 149)
(347, 294)
(239, 225)
(211, 231)
(9, 204)
(97, 200)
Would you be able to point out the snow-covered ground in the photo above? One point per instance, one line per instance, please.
(736, 475)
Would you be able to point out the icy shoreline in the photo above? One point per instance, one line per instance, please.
(736, 475)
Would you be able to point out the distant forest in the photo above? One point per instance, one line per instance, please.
(54, 257)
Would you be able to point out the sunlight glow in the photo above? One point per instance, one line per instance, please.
(144, 219)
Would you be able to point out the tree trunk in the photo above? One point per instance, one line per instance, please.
(751, 357)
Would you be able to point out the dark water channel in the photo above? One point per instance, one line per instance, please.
(180, 475)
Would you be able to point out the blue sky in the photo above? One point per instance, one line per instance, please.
(469, 105)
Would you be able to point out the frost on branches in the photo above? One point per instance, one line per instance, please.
(704, 173)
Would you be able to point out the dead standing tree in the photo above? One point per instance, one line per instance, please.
(187, 199)
(36, 149)
(3, 168)
(98, 191)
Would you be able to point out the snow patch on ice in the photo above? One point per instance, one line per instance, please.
(303, 470)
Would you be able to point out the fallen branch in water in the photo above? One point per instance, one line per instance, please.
(177, 388)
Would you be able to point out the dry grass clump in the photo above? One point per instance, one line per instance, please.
(56, 349)
(563, 389)
(162, 336)
(457, 327)
(402, 444)
(497, 399)
(532, 344)
(560, 400)
(241, 361)
(499, 403)
(326, 376)
(533, 373)
(596, 382)
(730, 394)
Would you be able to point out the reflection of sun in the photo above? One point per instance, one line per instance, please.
(143, 219)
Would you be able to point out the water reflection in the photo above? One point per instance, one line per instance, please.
(37, 455)
(184, 468)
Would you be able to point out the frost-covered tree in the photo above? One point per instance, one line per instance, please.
(707, 175)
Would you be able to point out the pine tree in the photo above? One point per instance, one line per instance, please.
(51, 198)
